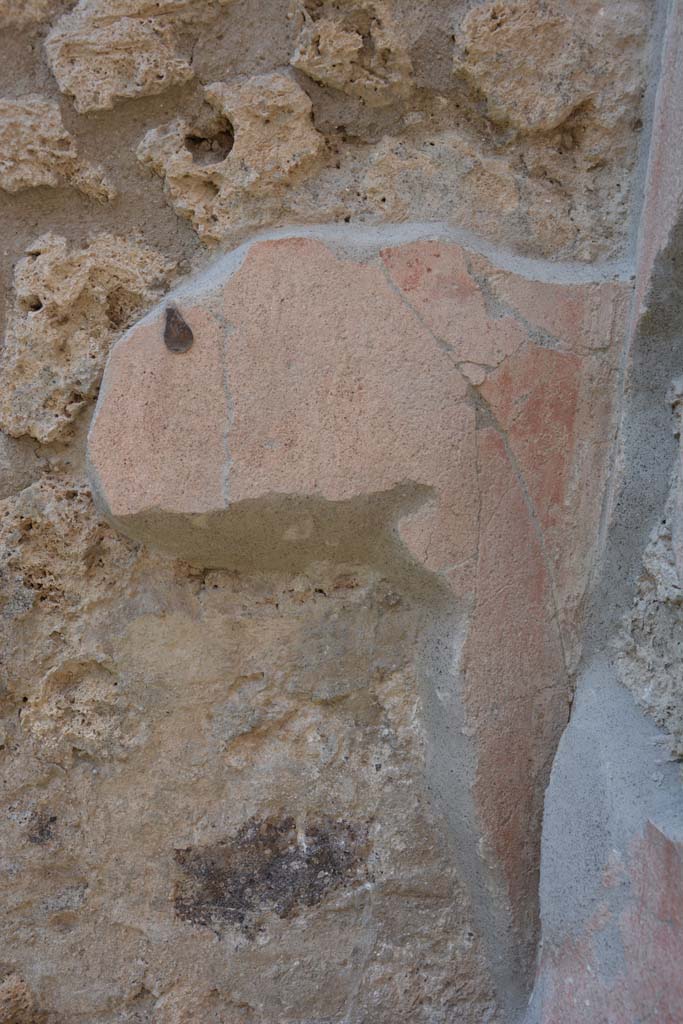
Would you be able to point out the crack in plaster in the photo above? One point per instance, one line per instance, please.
(478, 402)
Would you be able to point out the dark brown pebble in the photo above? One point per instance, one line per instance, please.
(178, 336)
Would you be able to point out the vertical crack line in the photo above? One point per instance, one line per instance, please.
(479, 403)
(440, 342)
(485, 886)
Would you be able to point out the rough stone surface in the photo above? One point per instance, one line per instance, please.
(36, 149)
(109, 50)
(407, 136)
(612, 853)
(327, 877)
(220, 172)
(353, 47)
(20, 464)
(650, 655)
(280, 756)
(309, 428)
(428, 152)
(97, 58)
(17, 1005)
(527, 59)
(69, 305)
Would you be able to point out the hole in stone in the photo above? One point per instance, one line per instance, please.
(211, 149)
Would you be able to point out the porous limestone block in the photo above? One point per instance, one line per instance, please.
(537, 63)
(20, 464)
(69, 304)
(17, 1005)
(108, 50)
(36, 149)
(260, 140)
(355, 47)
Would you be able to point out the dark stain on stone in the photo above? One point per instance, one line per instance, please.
(41, 827)
(178, 336)
(267, 866)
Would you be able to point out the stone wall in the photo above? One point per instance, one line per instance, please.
(292, 618)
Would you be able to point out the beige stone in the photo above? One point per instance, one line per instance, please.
(537, 63)
(69, 305)
(21, 13)
(563, 83)
(105, 51)
(529, 62)
(76, 714)
(562, 193)
(100, 61)
(36, 149)
(260, 140)
(66, 541)
(354, 47)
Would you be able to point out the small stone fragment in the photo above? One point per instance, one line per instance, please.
(108, 50)
(275, 143)
(69, 305)
(178, 335)
(99, 53)
(56, 557)
(36, 149)
(528, 60)
(355, 48)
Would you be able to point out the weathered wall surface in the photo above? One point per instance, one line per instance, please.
(612, 857)
(275, 738)
(456, 446)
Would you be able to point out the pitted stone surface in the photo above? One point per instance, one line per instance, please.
(109, 50)
(297, 691)
(356, 48)
(36, 149)
(69, 304)
(228, 169)
(26, 12)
